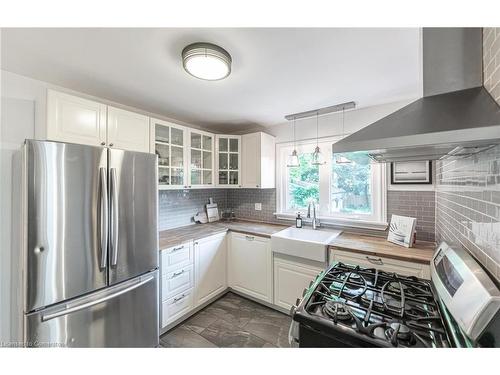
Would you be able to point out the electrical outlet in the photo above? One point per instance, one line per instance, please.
(258, 206)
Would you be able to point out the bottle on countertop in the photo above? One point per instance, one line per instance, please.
(298, 221)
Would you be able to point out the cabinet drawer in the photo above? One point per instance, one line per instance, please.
(176, 257)
(175, 282)
(382, 263)
(176, 307)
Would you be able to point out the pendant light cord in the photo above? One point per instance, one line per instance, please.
(294, 139)
(343, 122)
(317, 132)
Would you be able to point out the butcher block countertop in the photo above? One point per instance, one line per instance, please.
(176, 236)
(369, 245)
(379, 246)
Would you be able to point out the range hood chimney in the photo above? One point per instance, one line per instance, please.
(455, 118)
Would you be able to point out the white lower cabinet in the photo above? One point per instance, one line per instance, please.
(210, 267)
(381, 263)
(175, 282)
(290, 280)
(250, 266)
(175, 307)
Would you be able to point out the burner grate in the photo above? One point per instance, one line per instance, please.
(388, 307)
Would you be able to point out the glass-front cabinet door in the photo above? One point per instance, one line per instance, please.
(201, 159)
(169, 143)
(228, 160)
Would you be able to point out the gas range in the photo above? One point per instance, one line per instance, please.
(353, 306)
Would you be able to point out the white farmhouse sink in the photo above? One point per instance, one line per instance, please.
(303, 243)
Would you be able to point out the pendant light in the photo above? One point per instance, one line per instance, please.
(317, 156)
(342, 159)
(293, 159)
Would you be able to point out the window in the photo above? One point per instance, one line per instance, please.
(349, 189)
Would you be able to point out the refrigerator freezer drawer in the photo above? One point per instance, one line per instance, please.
(175, 282)
(124, 315)
(176, 307)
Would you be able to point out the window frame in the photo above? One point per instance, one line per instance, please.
(376, 220)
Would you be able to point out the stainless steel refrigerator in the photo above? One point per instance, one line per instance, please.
(91, 246)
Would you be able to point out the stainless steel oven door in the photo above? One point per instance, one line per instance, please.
(124, 315)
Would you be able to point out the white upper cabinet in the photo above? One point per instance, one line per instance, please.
(75, 120)
(258, 160)
(228, 160)
(169, 142)
(128, 130)
(200, 159)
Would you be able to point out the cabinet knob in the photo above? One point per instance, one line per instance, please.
(110, 145)
(103, 143)
(256, 185)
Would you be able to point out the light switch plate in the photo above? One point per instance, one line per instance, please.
(258, 206)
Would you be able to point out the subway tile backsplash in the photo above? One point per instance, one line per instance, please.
(468, 206)
(417, 204)
(177, 207)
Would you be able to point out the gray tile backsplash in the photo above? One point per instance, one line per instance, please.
(242, 201)
(177, 207)
(417, 204)
(468, 206)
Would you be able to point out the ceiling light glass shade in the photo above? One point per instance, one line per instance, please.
(206, 61)
(340, 159)
(293, 160)
(317, 157)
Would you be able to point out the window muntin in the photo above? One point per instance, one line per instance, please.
(345, 193)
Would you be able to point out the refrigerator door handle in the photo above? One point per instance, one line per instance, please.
(84, 305)
(104, 216)
(114, 218)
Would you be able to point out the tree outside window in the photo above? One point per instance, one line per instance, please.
(303, 183)
(351, 184)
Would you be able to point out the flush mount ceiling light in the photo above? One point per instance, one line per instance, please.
(206, 61)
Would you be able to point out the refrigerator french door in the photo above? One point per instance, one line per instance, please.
(92, 254)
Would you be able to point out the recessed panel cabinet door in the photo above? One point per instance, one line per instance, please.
(250, 266)
(128, 130)
(75, 120)
(210, 267)
(290, 279)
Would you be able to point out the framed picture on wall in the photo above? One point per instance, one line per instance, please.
(411, 172)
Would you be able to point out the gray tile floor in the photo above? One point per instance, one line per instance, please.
(231, 322)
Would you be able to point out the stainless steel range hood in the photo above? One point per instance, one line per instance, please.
(455, 118)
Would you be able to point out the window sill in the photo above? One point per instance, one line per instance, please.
(341, 222)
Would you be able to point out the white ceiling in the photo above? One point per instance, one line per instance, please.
(275, 71)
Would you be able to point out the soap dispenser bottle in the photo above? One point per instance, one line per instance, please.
(298, 221)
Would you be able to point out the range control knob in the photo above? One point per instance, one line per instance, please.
(310, 284)
(292, 311)
(297, 303)
(304, 292)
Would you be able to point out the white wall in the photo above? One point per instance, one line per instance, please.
(17, 123)
(331, 125)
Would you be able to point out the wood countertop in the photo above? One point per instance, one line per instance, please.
(193, 232)
(379, 246)
(358, 243)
